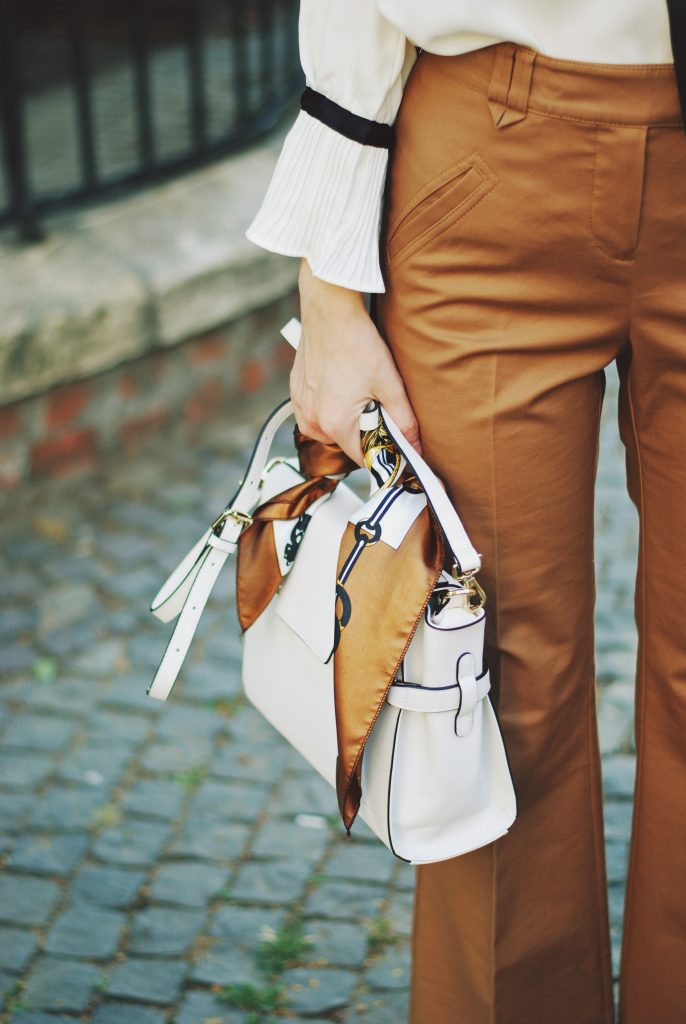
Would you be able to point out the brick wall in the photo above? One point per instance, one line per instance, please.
(67, 428)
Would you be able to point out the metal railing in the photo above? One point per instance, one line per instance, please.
(97, 97)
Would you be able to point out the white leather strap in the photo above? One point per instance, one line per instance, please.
(411, 697)
(186, 590)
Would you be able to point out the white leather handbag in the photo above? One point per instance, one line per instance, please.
(435, 779)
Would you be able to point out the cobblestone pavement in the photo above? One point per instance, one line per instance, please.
(177, 862)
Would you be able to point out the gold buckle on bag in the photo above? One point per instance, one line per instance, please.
(230, 513)
(468, 582)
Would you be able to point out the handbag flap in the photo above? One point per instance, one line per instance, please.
(306, 600)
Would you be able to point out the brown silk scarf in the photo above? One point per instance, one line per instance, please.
(258, 575)
(381, 593)
(378, 607)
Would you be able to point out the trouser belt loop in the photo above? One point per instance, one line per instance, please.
(508, 90)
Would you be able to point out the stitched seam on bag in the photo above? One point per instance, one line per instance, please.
(596, 240)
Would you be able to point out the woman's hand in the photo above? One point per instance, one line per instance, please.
(341, 362)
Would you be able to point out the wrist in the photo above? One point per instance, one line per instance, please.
(316, 290)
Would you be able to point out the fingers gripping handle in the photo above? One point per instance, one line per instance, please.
(462, 548)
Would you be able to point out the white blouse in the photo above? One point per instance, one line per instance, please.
(324, 198)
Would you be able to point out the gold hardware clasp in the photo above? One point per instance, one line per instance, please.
(477, 595)
(230, 513)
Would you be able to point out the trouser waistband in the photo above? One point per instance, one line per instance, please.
(517, 78)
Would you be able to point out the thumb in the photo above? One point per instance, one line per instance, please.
(393, 397)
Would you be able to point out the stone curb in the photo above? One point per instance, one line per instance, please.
(138, 274)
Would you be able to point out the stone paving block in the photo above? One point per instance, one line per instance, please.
(14, 808)
(340, 900)
(125, 730)
(7, 987)
(39, 732)
(61, 985)
(148, 981)
(215, 840)
(209, 681)
(33, 1017)
(229, 801)
(278, 838)
(126, 548)
(80, 636)
(127, 1013)
(154, 798)
(16, 657)
(616, 902)
(106, 886)
(246, 927)
(616, 858)
(16, 949)
(225, 963)
(128, 695)
(391, 969)
(619, 773)
(85, 932)
(378, 1008)
(17, 619)
(27, 901)
(335, 942)
(615, 717)
(189, 885)
(19, 584)
(262, 762)
(49, 854)
(161, 931)
(144, 650)
(200, 1007)
(398, 911)
(176, 757)
(94, 766)
(132, 585)
(63, 809)
(313, 990)
(103, 660)
(181, 721)
(64, 604)
(225, 646)
(617, 666)
(405, 876)
(6, 844)
(250, 726)
(278, 882)
(368, 862)
(134, 842)
(617, 815)
(72, 698)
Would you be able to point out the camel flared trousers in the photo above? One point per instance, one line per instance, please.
(534, 230)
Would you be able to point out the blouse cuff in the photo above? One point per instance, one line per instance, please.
(324, 202)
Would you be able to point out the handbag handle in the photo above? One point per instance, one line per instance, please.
(466, 556)
(185, 592)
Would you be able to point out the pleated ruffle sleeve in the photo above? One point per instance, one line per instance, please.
(324, 197)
